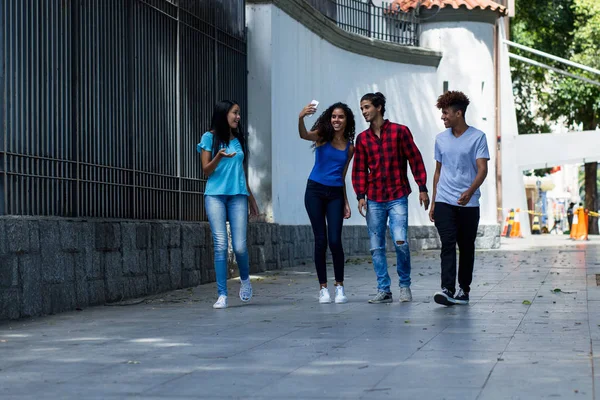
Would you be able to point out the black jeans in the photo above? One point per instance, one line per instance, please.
(457, 225)
(326, 203)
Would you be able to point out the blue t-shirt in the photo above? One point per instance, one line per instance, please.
(329, 165)
(458, 156)
(228, 178)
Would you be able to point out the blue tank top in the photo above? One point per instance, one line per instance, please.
(329, 165)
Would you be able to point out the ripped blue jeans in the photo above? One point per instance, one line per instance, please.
(377, 221)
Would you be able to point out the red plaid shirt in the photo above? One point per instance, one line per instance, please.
(380, 170)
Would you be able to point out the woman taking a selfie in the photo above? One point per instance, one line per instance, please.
(325, 198)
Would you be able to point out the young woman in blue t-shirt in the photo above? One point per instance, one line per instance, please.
(227, 195)
(325, 198)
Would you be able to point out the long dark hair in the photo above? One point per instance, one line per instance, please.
(325, 129)
(221, 129)
(377, 99)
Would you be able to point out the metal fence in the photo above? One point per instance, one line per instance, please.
(104, 102)
(362, 17)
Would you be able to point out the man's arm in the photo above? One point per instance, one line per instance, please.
(415, 160)
(347, 212)
(360, 172)
(436, 179)
(482, 170)
(482, 156)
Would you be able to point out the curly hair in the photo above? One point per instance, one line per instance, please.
(455, 99)
(325, 129)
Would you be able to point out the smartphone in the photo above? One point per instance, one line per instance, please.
(316, 104)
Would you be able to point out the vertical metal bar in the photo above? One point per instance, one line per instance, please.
(4, 82)
(216, 55)
(131, 49)
(178, 117)
(33, 94)
(20, 103)
(75, 117)
(53, 138)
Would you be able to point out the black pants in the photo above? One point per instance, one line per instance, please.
(326, 203)
(457, 225)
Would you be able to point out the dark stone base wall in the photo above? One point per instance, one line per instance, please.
(49, 265)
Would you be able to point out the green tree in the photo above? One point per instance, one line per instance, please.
(568, 29)
(546, 26)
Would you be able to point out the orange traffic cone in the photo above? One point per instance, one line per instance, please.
(582, 225)
(516, 230)
(574, 225)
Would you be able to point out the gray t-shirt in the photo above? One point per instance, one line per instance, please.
(458, 157)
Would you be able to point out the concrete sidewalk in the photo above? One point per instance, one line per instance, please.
(532, 331)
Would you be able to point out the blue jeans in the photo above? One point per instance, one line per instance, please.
(235, 209)
(377, 219)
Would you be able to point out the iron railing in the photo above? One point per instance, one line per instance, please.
(104, 101)
(362, 17)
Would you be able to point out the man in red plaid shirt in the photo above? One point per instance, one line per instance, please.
(380, 180)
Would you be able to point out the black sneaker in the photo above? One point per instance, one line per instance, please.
(444, 297)
(460, 297)
(382, 297)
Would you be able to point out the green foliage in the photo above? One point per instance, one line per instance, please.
(538, 172)
(578, 101)
(546, 26)
(568, 29)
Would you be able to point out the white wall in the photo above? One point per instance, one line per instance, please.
(314, 68)
(513, 188)
(259, 105)
(305, 67)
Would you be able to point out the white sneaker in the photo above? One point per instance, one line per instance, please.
(340, 296)
(245, 290)
(221, 302)
(324, 297)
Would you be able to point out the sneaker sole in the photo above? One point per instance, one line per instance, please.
(443, 300)
(405, 300)
(247, 300)
(381, 301)
(460, 302)
(324, 302)
(341, 301)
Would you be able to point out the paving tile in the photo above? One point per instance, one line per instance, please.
(284, 344)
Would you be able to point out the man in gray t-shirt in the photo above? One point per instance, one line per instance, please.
(461, 155)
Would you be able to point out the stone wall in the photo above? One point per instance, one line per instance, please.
(49, 265)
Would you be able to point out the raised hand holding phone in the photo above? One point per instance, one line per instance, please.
(315, 105)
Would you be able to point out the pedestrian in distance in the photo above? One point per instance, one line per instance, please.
(570, 212)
